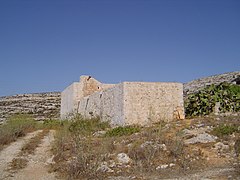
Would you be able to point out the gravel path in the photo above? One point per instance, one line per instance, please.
(11, 151)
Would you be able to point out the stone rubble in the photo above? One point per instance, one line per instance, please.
(201, 138)
(221, 147)
(104, 168)
(154, 145)
(164, 166)
(123, 158)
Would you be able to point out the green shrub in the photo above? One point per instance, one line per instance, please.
(87, 126)
(203, 102)
(222, 130)
(235, 90)
(53, 123)
(122, 131)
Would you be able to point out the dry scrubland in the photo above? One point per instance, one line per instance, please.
(206, 145)
(89, 149)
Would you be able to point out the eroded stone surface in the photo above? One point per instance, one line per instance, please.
(201, 138)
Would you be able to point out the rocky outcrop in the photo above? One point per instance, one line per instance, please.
(39, 105)
(196, 85)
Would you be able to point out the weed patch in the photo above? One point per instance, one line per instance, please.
(86, 126)
(53, 124)
(122, 131)
(16, 126)
(223, 130)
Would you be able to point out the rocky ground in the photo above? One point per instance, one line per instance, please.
(186, 149)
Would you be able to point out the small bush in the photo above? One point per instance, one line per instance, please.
(87, 126)
(53, 123)
(176, 147)
(223, 130)
(77, 153)
(83, 167)
(122, 131)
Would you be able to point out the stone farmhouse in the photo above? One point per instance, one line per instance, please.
(125, 103)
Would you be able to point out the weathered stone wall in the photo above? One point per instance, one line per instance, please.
(40, 105)
(71, 96)
(69, 99)
(106, 104)
(146, 103)
(196, 85)
(135, 103)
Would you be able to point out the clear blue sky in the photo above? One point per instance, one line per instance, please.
(45, 45)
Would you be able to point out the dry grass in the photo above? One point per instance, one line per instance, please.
(15, 127)
(79, 154)
(34, 142)
(18, 163)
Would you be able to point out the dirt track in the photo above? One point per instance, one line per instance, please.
(37, 163)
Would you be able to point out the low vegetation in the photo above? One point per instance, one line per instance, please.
(90, 148)
(75, 143)
(225, 130)
(122, 131)
(83, 149)
(83, 126)
(15, 127)
(203, 102)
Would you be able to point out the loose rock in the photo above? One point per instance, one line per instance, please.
(104, 168)
(201, 138)
(123, 158)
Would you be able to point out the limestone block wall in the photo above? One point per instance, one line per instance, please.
(70, 98)
(146, 103)
(135, 103)
(106, 104)
(125, 103)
